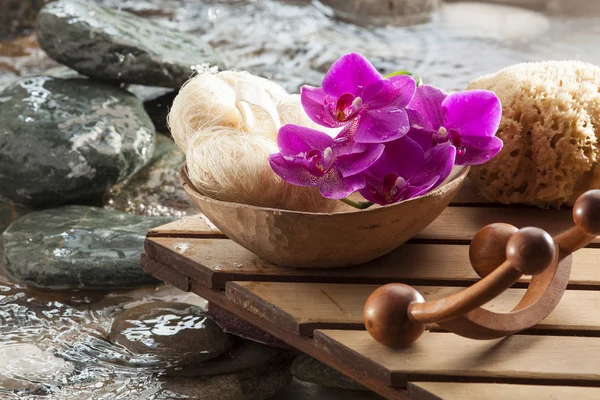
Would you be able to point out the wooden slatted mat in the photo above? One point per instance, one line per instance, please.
(319, 311)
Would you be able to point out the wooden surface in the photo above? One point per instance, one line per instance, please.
(303, 307)
(217, 261)
(302, 344)
(443, 356)
(498, 391)
(320, 311)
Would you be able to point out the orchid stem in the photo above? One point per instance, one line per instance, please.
(361, 205)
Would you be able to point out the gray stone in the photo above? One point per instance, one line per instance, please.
(67, 139)
(76, 247)
(118, 46)
(155, 190)
(308, 369)
(251, 384)
(9, 212)
(176, 333)
(245, 354)
(237, 326)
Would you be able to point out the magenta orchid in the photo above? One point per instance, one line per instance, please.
(354, 90)
(312, 158)
(468, 120)
(405, 171)
(398, 141)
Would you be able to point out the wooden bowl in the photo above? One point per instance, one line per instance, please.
(342, 238)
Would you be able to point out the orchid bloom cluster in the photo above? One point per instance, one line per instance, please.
(394, 140)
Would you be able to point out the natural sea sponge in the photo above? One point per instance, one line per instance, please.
(550, 120)
(227, 125)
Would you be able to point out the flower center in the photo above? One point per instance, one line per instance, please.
(444, 135)
(393, 188)
(347, 106)
(318, 162)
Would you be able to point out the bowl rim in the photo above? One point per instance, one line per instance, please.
(189, 187)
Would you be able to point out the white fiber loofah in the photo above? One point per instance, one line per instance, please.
(227, 125)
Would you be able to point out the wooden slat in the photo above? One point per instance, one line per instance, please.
(217, 261)
(460, 224)
(166, 275)
(196, 225)
(497, 391)
(302, 344)
(468, 195)
(448, 357)
(303, 307)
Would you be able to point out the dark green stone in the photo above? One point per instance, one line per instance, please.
(75, 247)
(256, 383)
(308, 369)
(155, 190)
(118, 46)
(176, 333)
(9, 212)
(245, 354)
(68, 139)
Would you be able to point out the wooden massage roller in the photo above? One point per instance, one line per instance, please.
(396, 314)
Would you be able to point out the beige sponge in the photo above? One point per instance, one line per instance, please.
(549, 126)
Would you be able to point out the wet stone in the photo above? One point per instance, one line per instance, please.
(308, 369)
(9, 212)
(244, 354)
(155, 190)
(68, 139)
(257, 383)
(176, 333)
(118, 46)
(27, 367)
(237, 326)
(75, 247)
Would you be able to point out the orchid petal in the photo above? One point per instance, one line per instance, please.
(334, 186)
(355, 163)
(423, 137)
(350, 74)
(403, 157)
(396, 91)
(415, 191)
(382, 125)
(344, 143)
(296, 139)
(314, 102)
(292, 171)
(476, 150)
(473, 113)
(437, 166)
(373, 188)
(425, 109)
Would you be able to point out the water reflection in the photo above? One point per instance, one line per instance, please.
(58, 344)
